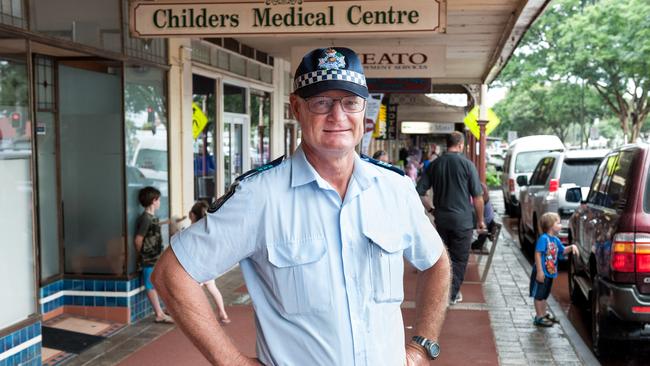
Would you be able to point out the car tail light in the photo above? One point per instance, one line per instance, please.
(511, 185)
(641, 309)
(553, 185)
(642, 251)
(623, 252)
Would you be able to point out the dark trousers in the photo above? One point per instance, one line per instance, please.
(458, 243)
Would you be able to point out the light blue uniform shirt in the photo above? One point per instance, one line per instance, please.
(325, 276)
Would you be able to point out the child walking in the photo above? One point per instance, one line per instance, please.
(548, 251)
(197, 212)
(148, 244)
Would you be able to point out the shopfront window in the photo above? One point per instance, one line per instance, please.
(145, 106)
(93, 23)
(234, 99)
(17, 275)
(203, 133)
(260, 128)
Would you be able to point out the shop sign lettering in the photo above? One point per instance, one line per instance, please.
(392, 61)
(289, 17)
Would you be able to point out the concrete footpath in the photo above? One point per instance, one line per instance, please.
(492, 326)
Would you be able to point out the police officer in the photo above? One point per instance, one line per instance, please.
(320, 239)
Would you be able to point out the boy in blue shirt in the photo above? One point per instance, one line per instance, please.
(548, 251)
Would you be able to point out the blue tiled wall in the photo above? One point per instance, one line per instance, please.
(29, 356)
(138, 303)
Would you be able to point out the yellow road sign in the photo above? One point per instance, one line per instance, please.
(471, 121)
(199, 120)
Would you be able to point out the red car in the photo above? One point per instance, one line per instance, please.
(612, 231)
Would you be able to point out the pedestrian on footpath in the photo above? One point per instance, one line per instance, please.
(381, 155)
(457, 195)
(197, 212)
(548, 250)
(148, 244)
(320, 239)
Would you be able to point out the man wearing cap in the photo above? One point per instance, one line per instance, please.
(320, 239)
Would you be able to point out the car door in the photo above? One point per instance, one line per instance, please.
(536, 191)
(525, 199)
(585, 213)
(596, 222)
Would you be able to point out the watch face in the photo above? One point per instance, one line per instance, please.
(434, 349)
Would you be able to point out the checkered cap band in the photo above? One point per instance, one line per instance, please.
(325, 75)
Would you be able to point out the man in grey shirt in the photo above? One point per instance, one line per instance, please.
(456, 188)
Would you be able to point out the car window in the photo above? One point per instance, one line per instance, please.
(152, 159)
(527, 161)
(620, 178)
(597, 191)
(543, 170)
(578, 171)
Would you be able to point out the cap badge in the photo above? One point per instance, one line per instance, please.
(333, 60)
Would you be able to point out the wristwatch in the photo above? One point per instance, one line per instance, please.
(432, 347)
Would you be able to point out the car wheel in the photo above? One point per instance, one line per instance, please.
(598, 320)
(523, 241)
(574, 290)
(508, 207)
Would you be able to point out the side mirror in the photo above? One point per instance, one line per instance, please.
(522, 180)
(573, 195)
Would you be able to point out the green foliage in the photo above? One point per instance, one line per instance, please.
(603, 44)
(492, 178)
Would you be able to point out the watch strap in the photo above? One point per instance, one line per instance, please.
(427, 344)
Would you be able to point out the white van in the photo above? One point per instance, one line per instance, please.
(521, 159)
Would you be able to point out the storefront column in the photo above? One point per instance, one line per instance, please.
(277, 110)
(482, 121)
(181, 173)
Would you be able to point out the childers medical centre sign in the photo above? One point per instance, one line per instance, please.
(286, 17)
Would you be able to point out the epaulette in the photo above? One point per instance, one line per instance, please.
(233, 187)
(382, 164)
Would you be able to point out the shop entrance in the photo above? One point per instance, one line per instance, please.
(80, 163)
(235, 154)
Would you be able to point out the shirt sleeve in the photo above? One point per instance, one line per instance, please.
(540, 246)
(222, 239)
(426, 245)
(425, 181)
(142, 225)
(560, 248)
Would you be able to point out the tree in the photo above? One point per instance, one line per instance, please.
(602, 44)
(611, 52)
(549, 108)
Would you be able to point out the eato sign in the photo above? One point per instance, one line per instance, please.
(290, 17)
(392, 61)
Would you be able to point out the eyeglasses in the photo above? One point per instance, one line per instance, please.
(323, 105)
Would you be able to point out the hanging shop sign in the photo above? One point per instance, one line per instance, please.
(416, 127)
(287, 17)
(389, 61)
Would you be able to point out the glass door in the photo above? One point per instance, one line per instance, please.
(235, 155)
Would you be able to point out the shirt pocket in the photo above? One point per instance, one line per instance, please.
(301, 275)
(386, 262)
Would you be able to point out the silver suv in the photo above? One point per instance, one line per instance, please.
(549, 190)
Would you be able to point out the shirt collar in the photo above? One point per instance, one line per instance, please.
(302, 172)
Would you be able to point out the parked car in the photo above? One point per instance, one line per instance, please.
(546, 191)
(521, 158)
(611, 229)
